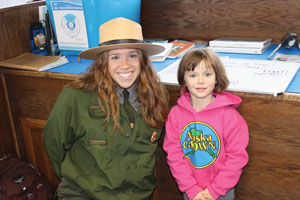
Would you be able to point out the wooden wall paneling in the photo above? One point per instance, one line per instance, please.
(14, 31)
(7, 142)
(3, 35)
(208, 20)
(31, 97)
(33, 138)
(166, 185)
(273, 171)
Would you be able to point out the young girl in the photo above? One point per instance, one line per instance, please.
(206, 138)
(101, 142)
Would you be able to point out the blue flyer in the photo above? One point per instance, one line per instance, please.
(70, 24)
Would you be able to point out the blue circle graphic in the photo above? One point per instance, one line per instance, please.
(200, 143)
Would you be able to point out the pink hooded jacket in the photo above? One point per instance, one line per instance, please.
(206, 149)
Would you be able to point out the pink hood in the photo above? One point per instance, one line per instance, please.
(206, 149)
(221, 100)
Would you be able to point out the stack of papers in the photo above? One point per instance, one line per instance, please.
(34, 62)
(60, 61)
(163, 55)
(240, 45)
(175, 49)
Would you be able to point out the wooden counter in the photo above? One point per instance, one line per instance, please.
(273, 171)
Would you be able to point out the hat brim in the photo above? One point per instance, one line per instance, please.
(93, 53)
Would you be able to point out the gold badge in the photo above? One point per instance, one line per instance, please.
(153, 136)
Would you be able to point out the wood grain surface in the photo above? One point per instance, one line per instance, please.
(210, 19)
(14, 30)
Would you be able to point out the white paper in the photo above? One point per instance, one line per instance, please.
(245, 75)
(163, 55)
(70, 24)
(60, 61)
(169, 74)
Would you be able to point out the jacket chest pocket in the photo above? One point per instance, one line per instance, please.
(97, 130)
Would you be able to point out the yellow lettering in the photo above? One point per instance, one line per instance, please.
(204, 145)
(202, 137)
(186, 144)
(194, 146)
(209, 138)
(199, 142)
(213, 145)
(188, 136)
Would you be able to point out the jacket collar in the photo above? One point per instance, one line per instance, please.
(94, 109)
(133, 95)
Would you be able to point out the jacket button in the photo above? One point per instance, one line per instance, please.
(134, 166)
(131, 125)
(127, 134)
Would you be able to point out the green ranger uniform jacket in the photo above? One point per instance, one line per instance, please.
(105, 165)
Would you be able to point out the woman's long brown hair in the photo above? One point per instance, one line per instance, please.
(151, 92)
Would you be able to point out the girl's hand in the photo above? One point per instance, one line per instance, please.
(203, 195)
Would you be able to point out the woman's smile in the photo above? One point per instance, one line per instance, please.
(124, 66)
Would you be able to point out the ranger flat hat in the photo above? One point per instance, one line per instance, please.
(120, 33)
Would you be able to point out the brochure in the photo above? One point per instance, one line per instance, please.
(180, 48)
(70, 24)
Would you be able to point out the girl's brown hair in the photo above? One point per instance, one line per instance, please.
(193, 58)
(151, 93)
